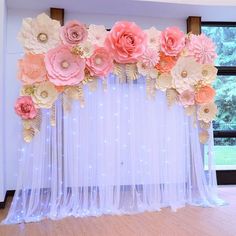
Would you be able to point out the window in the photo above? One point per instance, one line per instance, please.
(224, 35)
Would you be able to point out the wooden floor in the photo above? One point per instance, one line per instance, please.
(188, 221)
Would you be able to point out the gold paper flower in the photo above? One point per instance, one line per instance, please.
(27, 90)
(209, 73)
(40, 34)
(204, 136)
(164, 81)
(207, 112)
(45, 94)
(186, 73)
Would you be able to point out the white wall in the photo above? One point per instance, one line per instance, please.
(14, 52)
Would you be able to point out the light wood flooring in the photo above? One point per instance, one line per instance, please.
(187, 221)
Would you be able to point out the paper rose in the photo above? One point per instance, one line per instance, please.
(186, 98)
(164, 81)
(166, 63)
(186, 73)
(64, 67)
(45, 95)
(73, 32)
(209, 73)
(24, 107)
(32, 69)
(40, 34)
(126, 41)
(202, 49)
(97, 34)
(204, 95)
(100, 63)
(150, 58)
(207, 112)
(172, 41)
(153, 38)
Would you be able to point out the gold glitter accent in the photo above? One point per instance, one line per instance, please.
(184, 74)
(44, 94)
(206, 110)
(204, 73)
(65, 64)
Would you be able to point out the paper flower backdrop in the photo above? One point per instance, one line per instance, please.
(62, 60)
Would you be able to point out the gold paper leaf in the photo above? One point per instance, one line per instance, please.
(190, 110)
(33, 123)
(119, 72)
(66, 102)
(171, 95)
(204, 136)
(151, 88)
(131, 71)
(28, 134)
(92, 85)
(53, 115)
(104, 85)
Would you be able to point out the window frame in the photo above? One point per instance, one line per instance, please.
(224, 177)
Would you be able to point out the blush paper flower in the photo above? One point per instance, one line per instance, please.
(204, 95)
(24, 107)
(153, 38)
(126, 41)
(73, 32)
(64, 67)
(202, 49)
(32, 69)
(97, 34)
(100, 63)
(40, 34)
(186, 98)
(172, 41)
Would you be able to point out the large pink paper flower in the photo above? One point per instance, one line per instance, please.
(172, 41)
(187, 98)
(63, 67)
(73, 32)
(202, 49)
(100, 63)
(126, 41)
(32, 69)
(24, 107)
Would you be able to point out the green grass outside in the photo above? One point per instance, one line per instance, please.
(225, 155)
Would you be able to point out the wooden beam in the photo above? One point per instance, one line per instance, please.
(194, 24)
(57, 14)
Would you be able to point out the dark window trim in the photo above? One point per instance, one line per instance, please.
(224, 177)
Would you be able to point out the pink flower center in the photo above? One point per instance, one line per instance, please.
(98, 61)
(75, 35)
(170, 42)
(65, 64)
(25, 108)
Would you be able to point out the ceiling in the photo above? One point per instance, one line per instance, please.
(210, 10)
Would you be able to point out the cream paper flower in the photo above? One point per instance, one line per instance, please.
(207, 112)
(149, 72)
(186, 73)
(153, 36)
(40, 34)
(45, 95)
(97, 34)
(164, 81)
(209, 73)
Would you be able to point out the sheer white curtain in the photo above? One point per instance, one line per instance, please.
(121, 153)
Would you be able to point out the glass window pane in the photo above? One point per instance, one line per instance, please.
(224, 153)
(224, 38)
(226, 102)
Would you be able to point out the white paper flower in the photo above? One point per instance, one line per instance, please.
(97, 34)
(45, 95)
(40, 34)
(207, 112)
(209, 73)
(145, 71)
(164, 81)
(186, 73)
(153, 36)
